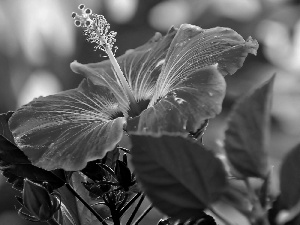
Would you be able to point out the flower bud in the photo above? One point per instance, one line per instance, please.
(38, 201)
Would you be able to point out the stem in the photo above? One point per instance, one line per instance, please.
(223, 219)
(135, 210)
(52, 221)
(143, 215)
(70, 188)
(133, 104)
(126, 207)
(115, 217)
(258, 211)
(112, 207)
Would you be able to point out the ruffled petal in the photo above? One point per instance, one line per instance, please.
(194, 48)
(141, 67)
(191, 87)
(68, 129)
(184, 109)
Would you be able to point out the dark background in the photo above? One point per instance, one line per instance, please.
(38, 41)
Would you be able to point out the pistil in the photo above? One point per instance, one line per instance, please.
(135, 109)
(97, 29)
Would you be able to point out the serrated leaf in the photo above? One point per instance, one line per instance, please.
(68, 208)
(10, 153)
(246, 137)
(289, 178)
(16, 167)
(4, 129)
(17, 182)
(179, 176)
(15, 164)
(94, 171)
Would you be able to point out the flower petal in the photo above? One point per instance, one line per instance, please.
(194, 48)
(141, 67)
(191, 88)
(184, 109)
(68, 129)
(104, 76)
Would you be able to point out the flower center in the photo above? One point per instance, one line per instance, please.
(142, 104)
(96, 28)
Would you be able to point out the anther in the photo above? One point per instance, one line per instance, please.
(96, 28)
(81, 6)
(74, 14)
(77, 23)
(88, 11)
(88, 23)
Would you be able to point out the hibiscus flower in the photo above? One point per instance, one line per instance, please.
(171, 84)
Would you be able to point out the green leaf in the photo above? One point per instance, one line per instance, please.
(73, 211)
(94, 171)
(84, 214)
(246, 137)
(289, 179)
(69, 215)
(10, 153)
(4, 129)
(179, 176)
(123, 175)
(68, 129)
(15, 164)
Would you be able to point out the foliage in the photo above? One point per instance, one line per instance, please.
(62, 151)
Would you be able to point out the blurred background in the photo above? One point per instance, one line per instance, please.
(38, 41)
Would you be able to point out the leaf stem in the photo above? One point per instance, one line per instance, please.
(126, 207)
(70, 188)
(258, 211)
(115, 214)
(139, 219)
(138, 205)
